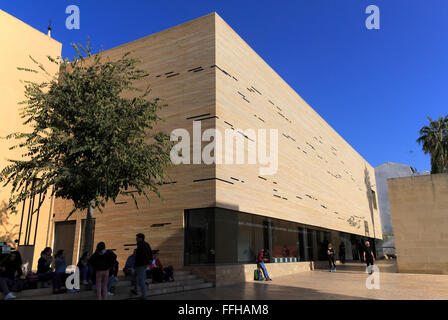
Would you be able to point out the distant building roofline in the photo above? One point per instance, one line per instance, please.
(394, 163)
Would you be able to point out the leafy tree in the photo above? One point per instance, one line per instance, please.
(434, 140)
(92, 136)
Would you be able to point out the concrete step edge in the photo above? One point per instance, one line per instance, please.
(119, 289)
(123, 283)
(90, 295)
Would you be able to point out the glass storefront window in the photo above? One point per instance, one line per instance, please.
(221, 236)
(285, 242)
(199, 237)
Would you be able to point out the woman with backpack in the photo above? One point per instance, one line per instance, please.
(102, 261)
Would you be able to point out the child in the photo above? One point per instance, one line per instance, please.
(84, 268)
(60, 266)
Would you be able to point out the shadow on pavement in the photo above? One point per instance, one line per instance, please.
(257, 291)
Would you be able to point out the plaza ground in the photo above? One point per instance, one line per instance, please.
(347, 283)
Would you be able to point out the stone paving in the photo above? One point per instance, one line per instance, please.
(347, 283)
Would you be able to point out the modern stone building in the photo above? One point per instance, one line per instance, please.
(20, 41)
(419, 208)
(382, 173)
(214, 218)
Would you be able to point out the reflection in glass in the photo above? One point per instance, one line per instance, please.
(221, 236)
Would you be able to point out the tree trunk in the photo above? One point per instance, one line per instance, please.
(88, 232)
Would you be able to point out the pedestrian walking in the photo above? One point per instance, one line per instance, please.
(369, 257)
(331, 257)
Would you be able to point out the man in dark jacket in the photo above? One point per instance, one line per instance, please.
(143, 258)
(369, 256)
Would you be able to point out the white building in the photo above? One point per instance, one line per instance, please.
(382, 173)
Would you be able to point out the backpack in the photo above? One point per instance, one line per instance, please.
(256, 276)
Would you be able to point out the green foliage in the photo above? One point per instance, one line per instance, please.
(434, 140)
(92, 134)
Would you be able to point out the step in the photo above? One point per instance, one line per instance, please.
(198, 286)
(180, 276)
(124, 292)
(38, 294)
(179, 273)
(189, 287)
(161, 285)
(32, 292)
(49, 291)
(176, 277)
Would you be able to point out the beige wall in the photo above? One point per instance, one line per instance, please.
(167, 56)
(19, 41)
(321, 180)
(225, 275)
(419, 210)
(184, 65)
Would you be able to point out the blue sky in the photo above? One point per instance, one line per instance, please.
(375, 87)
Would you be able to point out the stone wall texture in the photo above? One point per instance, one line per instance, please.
(419, 209)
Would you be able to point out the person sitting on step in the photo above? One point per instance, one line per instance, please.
(156, 268)
(129, 266)
(45, 272)
(10, 272)
(85, 269)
